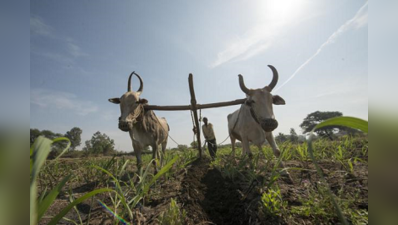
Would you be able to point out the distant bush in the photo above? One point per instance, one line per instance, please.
(74, 154)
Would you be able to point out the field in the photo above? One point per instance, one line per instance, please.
(229, 190)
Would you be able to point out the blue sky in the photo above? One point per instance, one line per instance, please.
(81, 54)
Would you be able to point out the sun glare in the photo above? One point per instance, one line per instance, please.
(280, 11)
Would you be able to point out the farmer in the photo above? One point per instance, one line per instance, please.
(210, 137)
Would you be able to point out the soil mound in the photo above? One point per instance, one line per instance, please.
(208, 197)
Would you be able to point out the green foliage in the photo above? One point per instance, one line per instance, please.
(74, 135)
(351, 122)
(38, 155)
(100, 144)
(272, 203)
(34, 133)
(280, 138)
(182, 147)
(313, 119)
(318, 205)
(173, 215)
(260, 174)
(194, 144)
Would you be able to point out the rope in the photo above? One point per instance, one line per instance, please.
(173, 140)
(223, 141)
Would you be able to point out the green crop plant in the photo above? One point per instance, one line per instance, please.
(272, 204)
(128, 194)
(173, 215)
(337, 121)
(38, 206)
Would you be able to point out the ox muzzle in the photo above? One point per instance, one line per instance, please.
(125, 125)
(269, 125)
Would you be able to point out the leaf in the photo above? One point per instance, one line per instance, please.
(166, 168)
(59, 216)
(65, 149)
(346, 121)
(49, 199)
(39, 152)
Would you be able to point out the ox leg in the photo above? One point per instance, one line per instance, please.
(164, 144)
(246, 147)
(154, 154)
(233, 145)
(271, 140)
(137, 151)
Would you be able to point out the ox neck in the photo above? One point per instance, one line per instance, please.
(146, 117)
(252, 113)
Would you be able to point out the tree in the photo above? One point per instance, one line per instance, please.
(317, 117)
(74, 136)
(281, 138)
(34, 133)
(56, 148)
(194, 144)
(293, 136)
(100, 143)
(182, 147)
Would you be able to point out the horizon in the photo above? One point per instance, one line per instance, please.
(81, 55)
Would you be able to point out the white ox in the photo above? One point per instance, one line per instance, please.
(255, 120)
(144, 127)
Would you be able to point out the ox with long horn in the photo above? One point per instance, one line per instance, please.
(255, 120)
(144, 127)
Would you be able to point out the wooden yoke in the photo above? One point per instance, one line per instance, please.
(194, 107)
(198, 106)
(195, 112)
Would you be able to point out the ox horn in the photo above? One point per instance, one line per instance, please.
(274, 78)
(242, 85)
(129, 82)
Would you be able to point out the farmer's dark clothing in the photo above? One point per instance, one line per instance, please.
(212, 145)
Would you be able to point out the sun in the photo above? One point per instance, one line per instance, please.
(280, 11)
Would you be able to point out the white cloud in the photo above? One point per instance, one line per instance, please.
(359, 20)
(38, 27)
(71, 49)
(75, 50)
(253, 42)
(61, 101)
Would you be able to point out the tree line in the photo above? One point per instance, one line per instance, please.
(100, 143)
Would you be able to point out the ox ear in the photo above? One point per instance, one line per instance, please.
(278, 100)
(143, 101)
(114, 100)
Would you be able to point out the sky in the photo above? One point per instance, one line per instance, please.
(81, 54)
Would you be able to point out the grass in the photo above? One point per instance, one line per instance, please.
(116, 185)
(173, 215)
